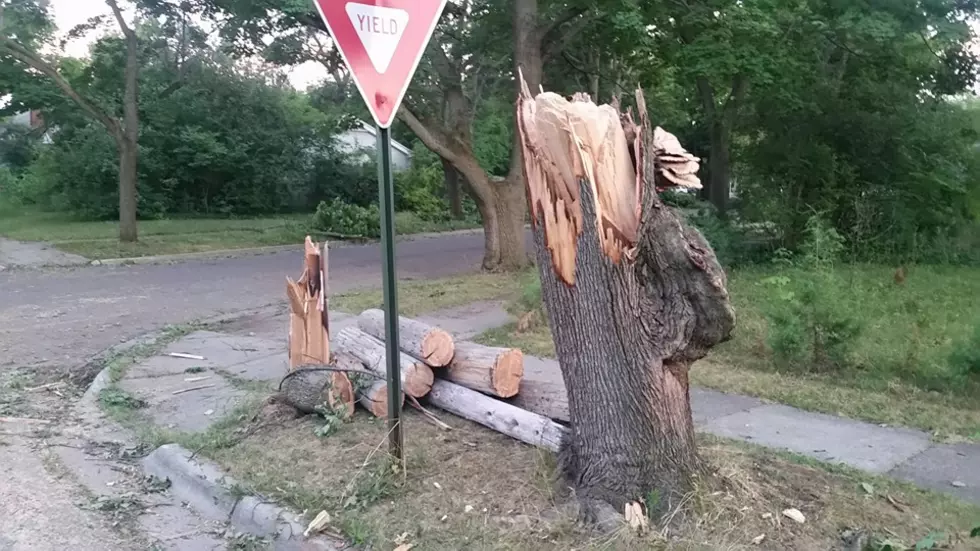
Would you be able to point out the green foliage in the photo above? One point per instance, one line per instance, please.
(812, 323)
(333, 418)
(343, 218)
(965, 356)
(119, 399)
(420, 189)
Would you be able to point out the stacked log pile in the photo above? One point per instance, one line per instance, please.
(463, 378)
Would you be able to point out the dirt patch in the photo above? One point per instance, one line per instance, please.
(471, 488)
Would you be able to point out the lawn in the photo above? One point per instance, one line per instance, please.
(899, 373)
(98, 240)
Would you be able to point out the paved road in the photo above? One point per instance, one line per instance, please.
(57, 318)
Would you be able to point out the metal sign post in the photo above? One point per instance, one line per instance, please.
(386, 197)
(382, 41)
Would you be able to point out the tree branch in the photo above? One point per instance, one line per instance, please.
(433, 138)
(554, 47)
(735, 97)
(117, 13)
(34, 61)
(707, 97)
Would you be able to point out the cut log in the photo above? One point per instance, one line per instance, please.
(416, 377)
(307, 389)
(543, 389)
(371, 391)
(502, 417)
(491, 370)
(419, 340)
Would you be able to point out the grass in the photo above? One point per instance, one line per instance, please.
(472, 488)
(417, 297)
(99, 239)
(900, 373)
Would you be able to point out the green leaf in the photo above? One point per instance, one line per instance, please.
(929, 542)
(975, 533)
(868, 488)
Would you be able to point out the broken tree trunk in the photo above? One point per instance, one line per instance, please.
(491, 370)
(419, 340)
(502, 417)
(306, 389)
(416, 377)
(633, 294)
(309, 336)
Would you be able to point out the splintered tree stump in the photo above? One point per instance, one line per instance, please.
(633, 294)
(491, 370)
(307, 389)
(502, 417)
(309, 337)
(430, 344)
(416, 377)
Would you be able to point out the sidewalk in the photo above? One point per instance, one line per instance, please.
(253, 349)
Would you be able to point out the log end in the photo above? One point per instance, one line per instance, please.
(375, 399)
(417, 380)
(507, 373)
(438, 348)
(341, 392)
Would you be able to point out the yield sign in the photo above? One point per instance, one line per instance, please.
(382, 42)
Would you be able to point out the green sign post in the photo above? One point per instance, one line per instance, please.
(382, 42)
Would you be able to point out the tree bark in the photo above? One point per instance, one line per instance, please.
(308, 389)
(491, 370)
(502, 417)
(129, 136)
(416, 377)
(633, 295)
(453, 192)
(429, 344)
(720, 123)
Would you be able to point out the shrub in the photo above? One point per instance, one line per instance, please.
(346, 219)
(965, 357)
(811, 317)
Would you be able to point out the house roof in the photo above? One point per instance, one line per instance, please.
(373, 130)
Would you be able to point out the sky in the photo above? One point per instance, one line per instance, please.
(68, 13)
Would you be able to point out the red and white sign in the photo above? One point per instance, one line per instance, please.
(382, 42)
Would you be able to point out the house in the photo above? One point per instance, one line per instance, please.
(30, 119)
(364, 138)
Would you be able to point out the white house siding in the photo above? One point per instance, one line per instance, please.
(365, 138)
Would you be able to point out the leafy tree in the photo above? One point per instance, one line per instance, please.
(19, 42)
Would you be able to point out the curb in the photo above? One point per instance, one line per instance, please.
(207, 490)
(202, 484)
(257, 251)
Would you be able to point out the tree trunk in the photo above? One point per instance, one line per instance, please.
(452, 190)
(630, 305)
(129, 151)
(719, 182)
(128, 158)
(510, 206)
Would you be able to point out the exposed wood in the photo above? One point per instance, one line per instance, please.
(502, 417)
(374, 398)
(416, 377)
(419, 340)
(309, 340)
(634, 296)
(491, 370)
(192, 389)
(308, 389)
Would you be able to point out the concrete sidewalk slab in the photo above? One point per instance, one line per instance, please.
(825, 437)
(949, 468)
(710, 404)
(218, 349)
(192, 411)
(468, 321)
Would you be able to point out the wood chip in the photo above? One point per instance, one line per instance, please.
(185, 356)
(196, 379)
(896, 504)
(405, 547)
(795, 515)
(318, 524)
(192, 389)
(635, 517)
(758, 539)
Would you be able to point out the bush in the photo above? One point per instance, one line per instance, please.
(811, 319)
(965, 357)
(346, 219)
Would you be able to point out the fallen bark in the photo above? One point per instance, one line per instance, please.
(430, 344)
(496, 371)
(416, 377)
(502, 417)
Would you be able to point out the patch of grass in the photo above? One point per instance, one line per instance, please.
(99, 239)
(472, 488)
(416, 297)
